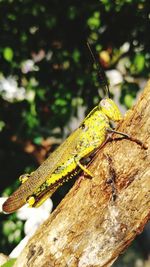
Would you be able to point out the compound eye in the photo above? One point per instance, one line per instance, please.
(105, 104)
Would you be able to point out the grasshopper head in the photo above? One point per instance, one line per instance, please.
(110, 109)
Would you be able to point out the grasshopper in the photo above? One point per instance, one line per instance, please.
(66, 161)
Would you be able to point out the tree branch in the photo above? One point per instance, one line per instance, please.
(89, 228)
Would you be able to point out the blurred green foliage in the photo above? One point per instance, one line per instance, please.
(46, 73)
(9, 263)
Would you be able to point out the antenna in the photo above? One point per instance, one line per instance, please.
(100, 72)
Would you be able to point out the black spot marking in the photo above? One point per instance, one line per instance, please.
(31, 252)
(56, 184)
(82, 126)
(40, 250)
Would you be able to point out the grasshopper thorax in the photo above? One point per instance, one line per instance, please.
(110, 109)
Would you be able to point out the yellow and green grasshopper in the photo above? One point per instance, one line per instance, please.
(66, 161)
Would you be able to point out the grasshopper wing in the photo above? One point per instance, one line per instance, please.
(64, 152)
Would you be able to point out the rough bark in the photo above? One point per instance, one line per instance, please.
(88, 228)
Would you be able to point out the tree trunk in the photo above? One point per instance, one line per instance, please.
(90, 228)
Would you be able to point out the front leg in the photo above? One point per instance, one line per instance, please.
(82, 167)
(127, 136)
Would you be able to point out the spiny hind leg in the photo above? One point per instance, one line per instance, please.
(112, 178)
(35, 201)
(127, 136)
(32, 202)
